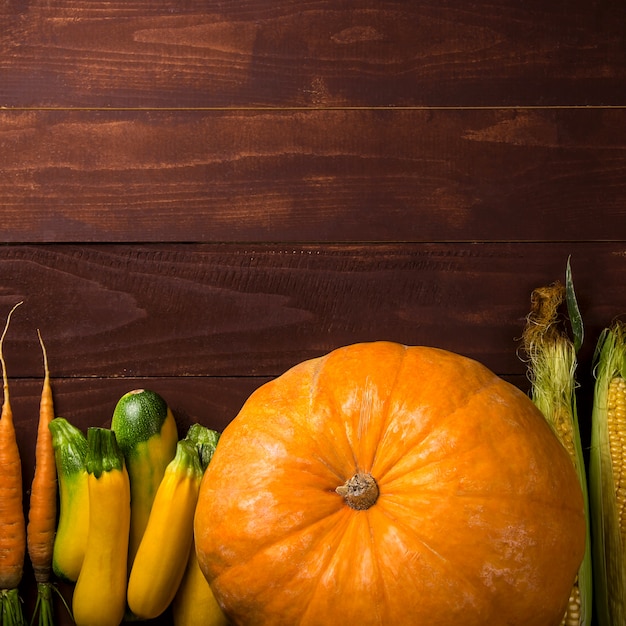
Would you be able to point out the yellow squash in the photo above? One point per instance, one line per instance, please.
(162, 555)
(70, 454)
(99, 597)
(194, 603)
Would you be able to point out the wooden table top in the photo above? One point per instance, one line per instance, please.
(194, 198)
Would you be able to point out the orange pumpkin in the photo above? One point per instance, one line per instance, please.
(465, 508)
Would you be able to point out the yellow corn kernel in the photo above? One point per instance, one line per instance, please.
(607, 454)
(616, 420)
(573, 614)
(561, 422)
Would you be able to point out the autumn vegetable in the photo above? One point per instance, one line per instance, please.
(607, 477)
(552, 362)
(205, 441)
(12, 521)
(162, 556)
(70, 452)
(147, 436)
(385, 484)
(42, 512)
(99, 597)
(194, 603)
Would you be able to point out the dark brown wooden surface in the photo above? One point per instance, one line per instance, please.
(366, 175)
(312, 53)
(214, 310)
(196, 196)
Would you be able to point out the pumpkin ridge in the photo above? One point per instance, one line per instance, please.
(316, 400)
(327, 544)
(295, 531)
(462, 452)
(437, 492)
(390, 509)
(389, 436)
(327, 465)
(440, 547)
(383, 475)
(353, 431)
(434, 494)
(486, 389)
(308, 524)
(379, 569)
(387, 415)
(334, 552)
(461, 581)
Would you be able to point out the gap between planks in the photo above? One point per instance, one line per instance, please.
(333, 108)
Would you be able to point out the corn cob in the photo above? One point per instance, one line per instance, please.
(552, 371)
(607, 477)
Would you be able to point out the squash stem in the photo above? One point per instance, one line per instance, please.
(360, 492)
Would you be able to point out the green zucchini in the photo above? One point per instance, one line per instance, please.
(147, 435)
(70, 453)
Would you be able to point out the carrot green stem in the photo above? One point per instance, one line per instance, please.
(44, 606)
(11, 611)
(44, 610)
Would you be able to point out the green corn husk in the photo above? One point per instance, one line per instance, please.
(608, 549)
(552, 363)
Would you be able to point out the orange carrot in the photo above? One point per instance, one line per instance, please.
(42, 512)
(43, 495)
(12, 522)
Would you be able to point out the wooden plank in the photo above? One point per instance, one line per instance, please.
(379, 170)
(335, 176)
(85, 402)
(231, 310)
(151, 54)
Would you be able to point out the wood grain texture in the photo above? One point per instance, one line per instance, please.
(160, 54)
(231, 310)
(196, 196)
(324, 176)
(85, 402)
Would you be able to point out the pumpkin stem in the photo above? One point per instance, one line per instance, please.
(360, 492)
